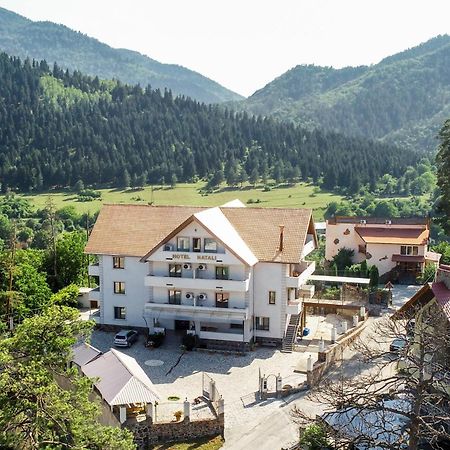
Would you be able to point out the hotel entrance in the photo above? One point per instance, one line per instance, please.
(182, 325)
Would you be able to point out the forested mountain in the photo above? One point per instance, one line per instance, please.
(58, 127)
(45, 40)
(404, 99)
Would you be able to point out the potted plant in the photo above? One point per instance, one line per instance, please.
(178, 415)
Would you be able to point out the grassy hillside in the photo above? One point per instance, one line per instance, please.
(301, 195)
(404, 99)
(70, 49)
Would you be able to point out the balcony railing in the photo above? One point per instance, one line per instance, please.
(200, 284)
(222, 336)
(94, 270)
(294, 306)
(94, 294)
(188, 312)
(298, 279)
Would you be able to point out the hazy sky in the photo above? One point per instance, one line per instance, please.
(244, 44)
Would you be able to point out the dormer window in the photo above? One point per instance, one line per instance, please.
(183, 244)
(196, 245)
(210, 246)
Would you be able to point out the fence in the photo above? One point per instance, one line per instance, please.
(210, 391)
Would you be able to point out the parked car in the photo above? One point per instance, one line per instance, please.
(398, 344)
(124, 338)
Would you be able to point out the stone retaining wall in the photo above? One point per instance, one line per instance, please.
(332, 354)
(147, 432)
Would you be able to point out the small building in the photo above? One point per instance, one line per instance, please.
(397, 245)
(122, 384)
(84, 353)
(83, 298)
(229, 274)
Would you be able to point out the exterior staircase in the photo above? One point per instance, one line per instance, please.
(287, 346)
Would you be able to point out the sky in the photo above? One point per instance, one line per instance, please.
(245, 44)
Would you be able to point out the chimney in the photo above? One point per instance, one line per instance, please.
(280, 247)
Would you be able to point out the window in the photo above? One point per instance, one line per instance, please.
(262, 323)
(119, 287)
(120, 312)
(196, 245)
(210, 245)
(222, 273)
(174, 297)
(183, 244)
(175, 270)
(237, 326)
(409, 250)
(118, 262)
(272, 297)
(222, 299)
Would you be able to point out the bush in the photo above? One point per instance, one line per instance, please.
(190, 341)
(374, 277)
(87, 195)
(314, 437)
(67, 296)
(155, 340)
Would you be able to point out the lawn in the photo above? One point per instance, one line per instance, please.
(301, 195)
(198, 444)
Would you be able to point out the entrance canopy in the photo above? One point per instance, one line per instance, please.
(334, 279)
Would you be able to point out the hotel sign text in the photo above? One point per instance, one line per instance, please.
(199, 257)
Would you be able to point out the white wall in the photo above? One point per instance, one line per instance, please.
(351, 240)
(136, 294)
(269, 277)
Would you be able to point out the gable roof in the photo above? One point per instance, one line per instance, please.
(428, 292)
(135, 230)
(132, 230)
(379, 220)
(121, 380)
(83, 353)
(389, 235)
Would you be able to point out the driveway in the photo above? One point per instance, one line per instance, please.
(402, 293)
(236, 377)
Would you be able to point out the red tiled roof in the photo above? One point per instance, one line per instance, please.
(408, 258)
(442, 294)
(390, 235)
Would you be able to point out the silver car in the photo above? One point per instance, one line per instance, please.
(124, 338)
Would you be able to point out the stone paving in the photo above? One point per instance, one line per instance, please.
(236, 376)
(248, 422)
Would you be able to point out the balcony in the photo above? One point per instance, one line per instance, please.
(294, 306)
(222, 336)
(190, 312)
(94, 294)
(201, 284)
(307, 269)
(94, 270)
(309, 246)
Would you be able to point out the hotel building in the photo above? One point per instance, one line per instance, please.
(229, 274)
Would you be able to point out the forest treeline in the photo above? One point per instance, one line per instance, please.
(58, 127)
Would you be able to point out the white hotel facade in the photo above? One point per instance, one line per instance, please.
(229, 274)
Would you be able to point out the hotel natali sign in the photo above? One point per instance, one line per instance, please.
(199, 257)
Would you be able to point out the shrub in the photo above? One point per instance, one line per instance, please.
(67, 296)
(374, 277)
(190, 341)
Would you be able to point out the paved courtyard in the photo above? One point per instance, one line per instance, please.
(248, 423)
(236, 376)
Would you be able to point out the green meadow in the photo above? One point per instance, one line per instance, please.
(300, 195)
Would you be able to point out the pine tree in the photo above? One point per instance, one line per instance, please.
(443, 175)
